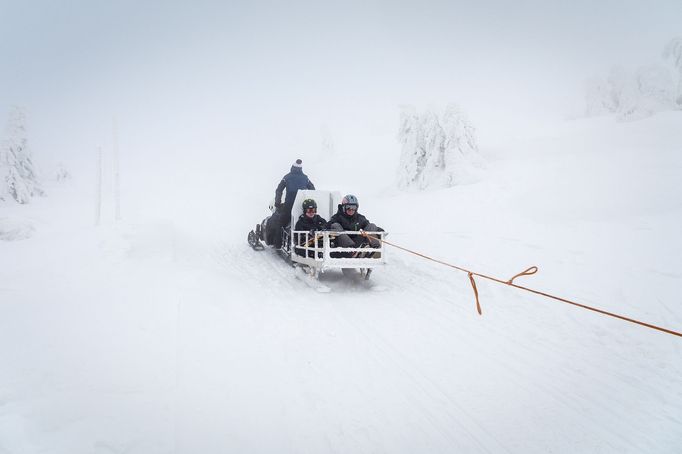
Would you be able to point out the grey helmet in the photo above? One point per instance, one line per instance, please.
(350, 199)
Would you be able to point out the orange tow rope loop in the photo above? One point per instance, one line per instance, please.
(530, 271)
(473, 284)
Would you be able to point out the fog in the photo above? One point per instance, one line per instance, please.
(244, 85)
(164, 332)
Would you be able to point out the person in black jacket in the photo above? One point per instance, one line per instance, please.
(292, 182)
(310, 222)
(347, 218)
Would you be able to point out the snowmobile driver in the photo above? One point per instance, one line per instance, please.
(309, 222)
(347, 218)
(292, 182)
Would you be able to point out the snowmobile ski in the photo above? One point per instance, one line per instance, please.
(254, 241)
(303, 273)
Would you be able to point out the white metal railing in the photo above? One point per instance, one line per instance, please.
(318, 251)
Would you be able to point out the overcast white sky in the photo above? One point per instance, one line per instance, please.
(243, 77)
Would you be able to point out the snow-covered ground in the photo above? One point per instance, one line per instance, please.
(167, 333)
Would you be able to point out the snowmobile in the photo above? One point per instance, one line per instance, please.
(313, 253)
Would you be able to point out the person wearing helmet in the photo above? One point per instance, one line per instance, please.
(347, 218)
(309, 222)
(291, 182)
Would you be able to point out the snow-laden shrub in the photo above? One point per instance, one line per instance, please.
(436, 151)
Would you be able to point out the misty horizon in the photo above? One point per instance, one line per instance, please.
(238, 78)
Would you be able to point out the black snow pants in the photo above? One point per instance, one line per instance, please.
(354, 241)
(280, 218)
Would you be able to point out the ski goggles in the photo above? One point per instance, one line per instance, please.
(350, 207)
(311, 210)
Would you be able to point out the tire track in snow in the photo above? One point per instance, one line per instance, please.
(512, 366)
(255, 270)
(393, 358)
(265, 269)
(513, 371)
(430, 294)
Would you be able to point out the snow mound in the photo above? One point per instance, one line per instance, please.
(13, 229)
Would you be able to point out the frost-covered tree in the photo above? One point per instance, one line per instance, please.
(649, 90)
(4, 174)
(624, 93)
(599, 97)
(413, 154)
(433, 138)
(436, 152)
(20, 176)
(673, 53)
(17, 187)
(656, 89)
(631, 96)
(460, 149)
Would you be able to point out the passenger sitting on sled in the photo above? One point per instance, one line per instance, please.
(347, 218)
(309, 222)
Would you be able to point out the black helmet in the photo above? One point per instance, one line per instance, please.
(309, 203)
(350, 200)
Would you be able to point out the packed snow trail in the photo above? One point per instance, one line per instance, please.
(529, 272)
(218, 347)
(477, 350)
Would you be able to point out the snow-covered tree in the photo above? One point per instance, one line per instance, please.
(4, 174)
(460, 147)
(17, 187)
(624, 93)
(436, 152)
(656, 89)
(631, 96)
(20, 176)
(599, 97)
(649, 90)
(413, 154)
(433, 138)
(673, 53)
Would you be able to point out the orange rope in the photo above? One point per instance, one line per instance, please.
(510, 282)
(473, 284)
